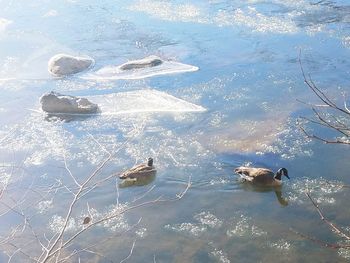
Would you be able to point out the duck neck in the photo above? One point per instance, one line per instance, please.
(278, 176)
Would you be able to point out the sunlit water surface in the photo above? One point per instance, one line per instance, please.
(249, 82)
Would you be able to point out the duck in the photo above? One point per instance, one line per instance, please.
(262, 176)
(139, 171)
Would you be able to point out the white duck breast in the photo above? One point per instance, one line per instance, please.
(138, 69)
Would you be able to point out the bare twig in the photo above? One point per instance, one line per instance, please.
(329, 121)
(329, 223)
(320, 242)
(130, 253)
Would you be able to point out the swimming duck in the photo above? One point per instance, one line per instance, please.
(139, 171)
(262, 176)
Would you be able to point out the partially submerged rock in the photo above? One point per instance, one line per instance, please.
(63, 64)
(139, 69)
(54, 102)
(151, 61)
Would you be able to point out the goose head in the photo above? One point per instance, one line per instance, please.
(150, 162)
(280, 172)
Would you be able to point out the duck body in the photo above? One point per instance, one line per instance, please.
(262, 176)
(140, 171)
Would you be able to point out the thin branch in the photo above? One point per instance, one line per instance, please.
(157, 200)
(320, 242)
(130, 253)
(312, 136)
(100, 242)
(69, 171)
(329, 223)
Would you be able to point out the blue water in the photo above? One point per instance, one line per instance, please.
(250, 83)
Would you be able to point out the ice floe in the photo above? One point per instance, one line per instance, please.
(51, 13)
(138, 69)
(63, 64)
(54, 102)
(142, 101)
(220, 255)
(281, 244)
(4, 23)
(242, 225)
(169, 11)
(205, 219)
(248, 17)
(322, 190)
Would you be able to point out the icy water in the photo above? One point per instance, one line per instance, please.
(240, 108)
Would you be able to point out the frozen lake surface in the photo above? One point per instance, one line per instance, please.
(232, 100)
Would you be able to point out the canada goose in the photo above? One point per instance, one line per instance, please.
(262, 176)
(139, 171)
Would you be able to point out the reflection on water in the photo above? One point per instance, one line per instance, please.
(67, 117)
(240, 107)
(257, 188)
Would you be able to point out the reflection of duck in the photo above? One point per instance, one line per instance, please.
(139, 171)
(262, 176)
(247, 186)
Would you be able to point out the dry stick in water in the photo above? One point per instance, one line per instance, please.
(130, 253)
(157, 200)
(330, 224)
(52, 250)
(331, 122)
(76, 252)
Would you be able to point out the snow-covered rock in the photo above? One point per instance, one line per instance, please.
(63, 64)
(54, 102)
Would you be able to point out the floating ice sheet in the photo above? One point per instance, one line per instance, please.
(139, 70)
(206, 221)
(322, 190)
(142, 101)
(4, 23)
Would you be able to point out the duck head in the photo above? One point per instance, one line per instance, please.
(280, 172)
(150, 161)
